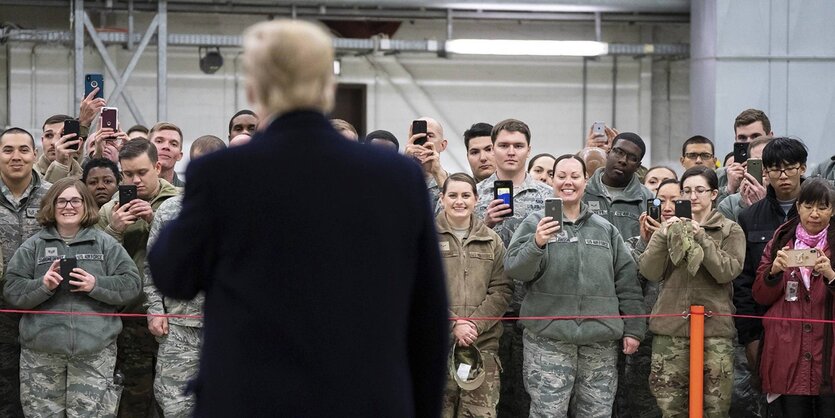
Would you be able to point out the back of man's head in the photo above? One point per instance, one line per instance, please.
(783, 151)
(289, 66)
(204, 145)
(136, 147)
(477, 130)
(750, 116)
(511, 125)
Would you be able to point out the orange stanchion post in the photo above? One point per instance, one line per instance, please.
(697, 360)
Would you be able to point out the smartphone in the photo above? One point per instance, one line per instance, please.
(127, 192)
(598, 130)
(755, 169)
(419, 127)
(91, 81)
(683, 209)
(654, 209)
(109, 117)
(503, 189)
(802, 258)
(67, 264)
(740, 152)
(553, 208)
(71, 126)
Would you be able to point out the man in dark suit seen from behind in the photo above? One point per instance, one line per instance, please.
(324, 290)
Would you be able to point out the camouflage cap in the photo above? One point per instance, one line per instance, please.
(469, 362)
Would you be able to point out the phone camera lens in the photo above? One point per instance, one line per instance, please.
(94, 84)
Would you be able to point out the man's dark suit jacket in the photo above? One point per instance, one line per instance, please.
(325, 292)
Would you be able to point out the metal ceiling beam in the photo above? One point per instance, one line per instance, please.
(376, 13)
(341, 44)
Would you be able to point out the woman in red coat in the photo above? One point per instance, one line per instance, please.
(798, 360)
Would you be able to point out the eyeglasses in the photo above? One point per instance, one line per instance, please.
(619, 153)
(74, 202)
(699, 191)
(775, 173)
(694, 155)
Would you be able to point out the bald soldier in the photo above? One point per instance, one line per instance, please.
(429, 156)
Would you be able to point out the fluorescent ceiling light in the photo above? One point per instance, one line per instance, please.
(527, 47)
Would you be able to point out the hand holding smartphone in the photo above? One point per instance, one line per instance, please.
(740, 152)
(802, 258)
(503, 189)
(71, 126)
(553, 208)
(684, 209)
(109, 118)
(419, 127)
(755, 169)
(91, 82)
(598, 130)
(654, 209)
(127, 192)
(67, 265)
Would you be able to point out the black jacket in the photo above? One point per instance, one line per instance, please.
(758, 221)
(324, 287)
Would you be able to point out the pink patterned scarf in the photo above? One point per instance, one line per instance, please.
(804, 241)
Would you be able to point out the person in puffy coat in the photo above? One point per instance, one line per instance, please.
(477, 286)
(67, 361)
(798, 361)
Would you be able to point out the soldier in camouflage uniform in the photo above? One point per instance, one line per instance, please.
(429, 157)
(179, 339)
(137, 348)
(511, 147)
(67, 362)
(697, 260)
(21, 190)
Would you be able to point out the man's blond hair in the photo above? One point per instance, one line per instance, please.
(289, 66)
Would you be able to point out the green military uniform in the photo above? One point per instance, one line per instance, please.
(137, 347)
(179, 351)
(67, 362)
(697, 269)
(53, 171)
(585, 270)
(17, 223)
(825, 169)
(477, 287)
(527, 198)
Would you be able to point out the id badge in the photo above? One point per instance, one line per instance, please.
(791, 291)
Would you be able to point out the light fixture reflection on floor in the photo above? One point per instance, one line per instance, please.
(526, 47)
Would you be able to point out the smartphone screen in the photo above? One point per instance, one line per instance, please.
(683, 209)
(654, 209)
(740, 152)
(755, 169)
(127, 192)
(109, 117)
(553, 208)
(419, 127)
(91, 81)
(503, 189)
(66, 266)
(71, 126)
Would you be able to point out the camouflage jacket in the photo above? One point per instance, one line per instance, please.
(135, 237)
(528, 198)
(155, 303)
(623, 213)
(17, 224)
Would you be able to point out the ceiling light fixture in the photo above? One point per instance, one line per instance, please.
(526, 47)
